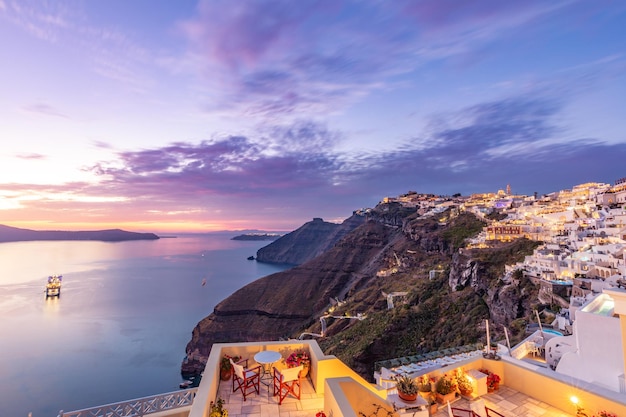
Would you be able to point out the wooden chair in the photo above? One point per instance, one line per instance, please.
(245, 379)
(287, 382)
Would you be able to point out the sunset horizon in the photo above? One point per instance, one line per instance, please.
(196, 116)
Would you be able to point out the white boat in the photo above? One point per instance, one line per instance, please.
(53, 287)
(186, 384)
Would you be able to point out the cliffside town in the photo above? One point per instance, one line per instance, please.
(421, 272)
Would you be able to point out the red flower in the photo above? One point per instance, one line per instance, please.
(320, 414)
(492, 379)
(298, 358)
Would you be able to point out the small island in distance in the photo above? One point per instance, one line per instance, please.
(257, 236)
(14, 234)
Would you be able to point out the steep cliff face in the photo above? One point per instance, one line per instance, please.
(308, 241)
(482, 270)
(281, 304)
(393, 251)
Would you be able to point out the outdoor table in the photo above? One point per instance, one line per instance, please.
(267, 358)
(414, 408)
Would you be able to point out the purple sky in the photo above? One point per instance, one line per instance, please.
(155, 115)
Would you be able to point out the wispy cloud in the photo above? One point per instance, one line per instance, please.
(30, 156)
(514, 140)
(43, 22)
(480, 147)
(112, 53)
(264, 58)
(44, 109)
(293, 160)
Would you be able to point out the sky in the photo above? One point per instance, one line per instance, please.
(181, 116)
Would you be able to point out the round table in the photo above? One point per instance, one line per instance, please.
(267, 358)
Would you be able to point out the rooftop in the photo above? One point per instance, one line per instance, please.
(505, 401)
(528, 387)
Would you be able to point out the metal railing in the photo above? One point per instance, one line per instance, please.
(138, 407)
(461, 412)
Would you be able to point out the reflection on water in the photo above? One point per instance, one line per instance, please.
(52, 306)
(119, 329)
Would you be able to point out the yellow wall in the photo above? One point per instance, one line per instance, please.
(347, 396)
(344, 397)
(554, 391)
(334, 368)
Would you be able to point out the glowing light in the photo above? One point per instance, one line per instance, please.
(574, 399)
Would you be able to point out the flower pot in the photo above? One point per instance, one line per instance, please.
(432, 408)
(304, 372)
(492, 388)
(407, 397)
(465, 392)
(443, 399)
(225, 374)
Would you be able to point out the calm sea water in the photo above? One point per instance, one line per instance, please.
(120, 327)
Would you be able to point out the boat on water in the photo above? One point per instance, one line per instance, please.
(53, 287)
(186, 384)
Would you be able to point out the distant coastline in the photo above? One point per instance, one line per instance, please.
(15, 234)
(257, 236)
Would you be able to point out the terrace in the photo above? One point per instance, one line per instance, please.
(526, 389)
(528, 386)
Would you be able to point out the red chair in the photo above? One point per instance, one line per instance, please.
(245, 379)
(287, 382)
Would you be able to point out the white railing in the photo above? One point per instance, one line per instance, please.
(138, 407)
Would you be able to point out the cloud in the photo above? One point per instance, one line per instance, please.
(31, 155)
(44, 109)
(480, 148)
(485, 146)
(45, 22)
(294, 171)
(279, 58)
(111, 53)
(290, 160)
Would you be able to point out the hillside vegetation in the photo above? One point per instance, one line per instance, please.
(394, 250)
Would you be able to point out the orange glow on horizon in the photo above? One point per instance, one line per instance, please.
(143, 227)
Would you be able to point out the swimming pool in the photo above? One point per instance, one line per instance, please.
(556, 332)
(602, 305)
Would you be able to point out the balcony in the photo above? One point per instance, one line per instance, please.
(335, 388)
(265, 404)
(526, 388)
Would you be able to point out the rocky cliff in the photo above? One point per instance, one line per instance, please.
(394, 250)
(509, 297)
(308, 241)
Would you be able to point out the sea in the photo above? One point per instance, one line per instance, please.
(119, 329)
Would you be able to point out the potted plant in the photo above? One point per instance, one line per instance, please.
(432, 404)
(407, 388)
(297, 358)
(424, 386)
(226, 369)
(463, 383)
(217, 409)
(493, 382)
(445, 389)
(604, 414)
